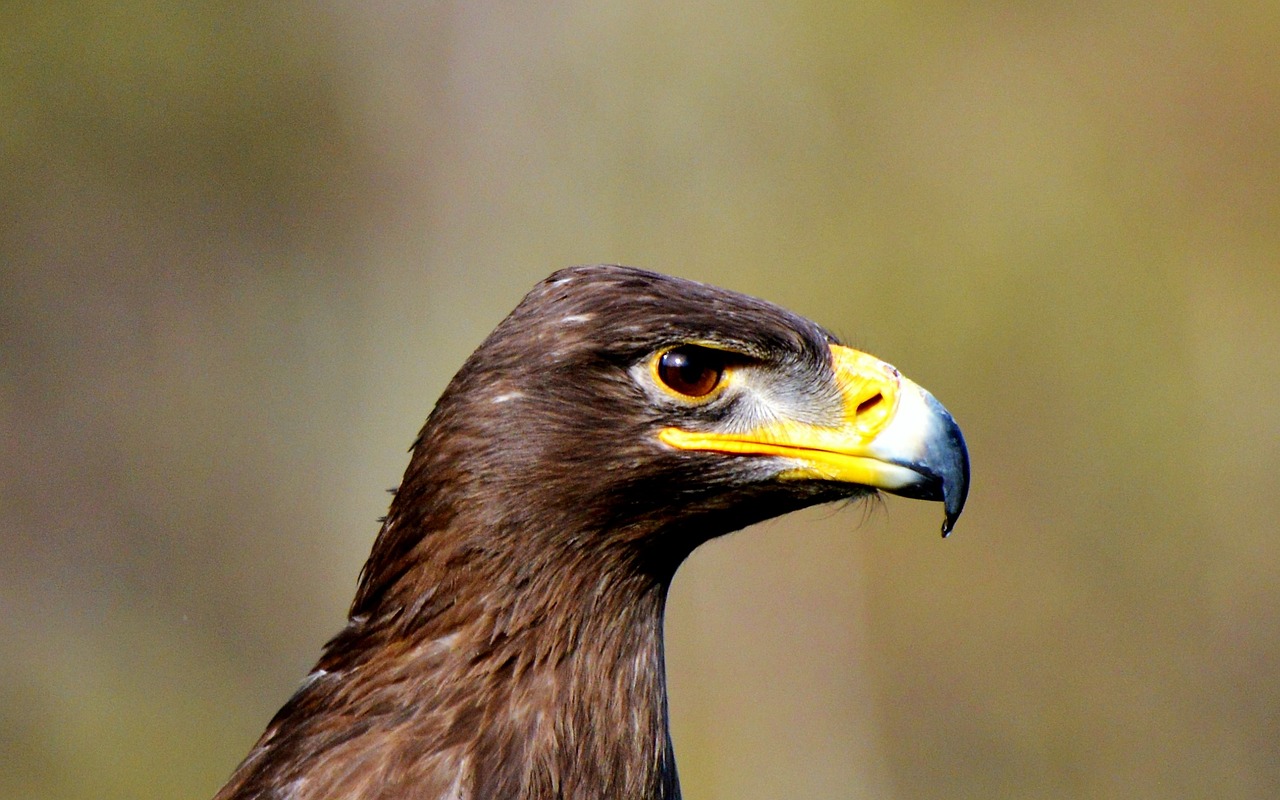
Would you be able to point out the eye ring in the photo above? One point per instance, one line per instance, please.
(690, 371)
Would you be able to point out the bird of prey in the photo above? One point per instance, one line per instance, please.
(505, 640)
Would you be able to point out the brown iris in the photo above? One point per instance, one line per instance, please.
(691, 371)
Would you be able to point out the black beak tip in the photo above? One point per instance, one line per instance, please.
(949, 523)
(950, 458)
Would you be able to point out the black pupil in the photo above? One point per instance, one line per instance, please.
(691, 371)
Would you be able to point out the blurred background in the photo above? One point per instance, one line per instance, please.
(244, 246)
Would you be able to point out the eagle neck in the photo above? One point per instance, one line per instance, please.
(553, 652)
(570, 671)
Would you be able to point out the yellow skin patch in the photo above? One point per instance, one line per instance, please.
(868, 447)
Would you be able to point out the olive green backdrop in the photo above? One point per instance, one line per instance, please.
(242, 250)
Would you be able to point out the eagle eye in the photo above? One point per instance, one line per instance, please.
(690, 370)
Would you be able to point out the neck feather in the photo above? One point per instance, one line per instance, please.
(475, 674)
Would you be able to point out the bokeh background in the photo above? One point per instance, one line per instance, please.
(243, 247)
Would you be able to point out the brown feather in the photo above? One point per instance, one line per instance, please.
(505, 640)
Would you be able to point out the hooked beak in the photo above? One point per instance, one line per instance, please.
(893, 435)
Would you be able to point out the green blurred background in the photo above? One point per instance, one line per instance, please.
(244, 246)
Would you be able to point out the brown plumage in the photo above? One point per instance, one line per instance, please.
(506, 637)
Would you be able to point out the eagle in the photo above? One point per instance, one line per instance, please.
(505, 640)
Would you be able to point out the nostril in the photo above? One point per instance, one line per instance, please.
(870, 403)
